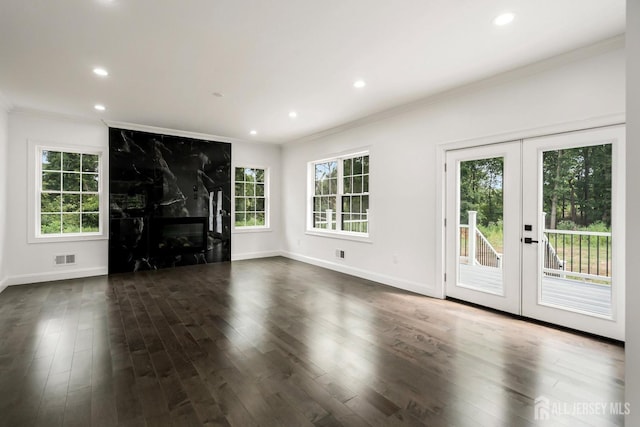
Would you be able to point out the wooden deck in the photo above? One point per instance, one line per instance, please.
(571, 294)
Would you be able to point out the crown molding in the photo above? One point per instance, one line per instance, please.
(5, 104)
(597, 122)
(178, 132)
(604, 46)
(32, 112)
(52, 115)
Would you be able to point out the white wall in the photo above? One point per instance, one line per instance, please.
(4, 130)
(632, 357)
(33, 262)
(406, 173)
(263, 243)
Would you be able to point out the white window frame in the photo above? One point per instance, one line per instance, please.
(267, 200)
(338, 232)
(35, 187)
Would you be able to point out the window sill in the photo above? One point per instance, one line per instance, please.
(244, 230)
(341, 235)
(68, 238)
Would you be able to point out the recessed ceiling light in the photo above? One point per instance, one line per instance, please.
(99, 107)
(504, 19)
(100, 72)
(293, 114)
(254, 132)
(359, 84)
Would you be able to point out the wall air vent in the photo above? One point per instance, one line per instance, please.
(65, 259)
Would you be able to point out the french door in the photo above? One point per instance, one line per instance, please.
(484, 183)
(535, 228)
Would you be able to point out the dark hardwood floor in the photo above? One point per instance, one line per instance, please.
(275, 342)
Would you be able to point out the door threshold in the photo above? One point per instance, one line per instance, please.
(599, 338)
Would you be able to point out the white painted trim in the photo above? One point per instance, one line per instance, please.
(254, 255)
(341, 234)
(267, 199)
(394, 282)
(608, 121)
(50, 276)
(175, 132)
(33, 191)
(538, 132)
(345, 154)
(245, 230)
(611, 44)
(524, 134)
(440, 215)
(6, 106)
(51, 115)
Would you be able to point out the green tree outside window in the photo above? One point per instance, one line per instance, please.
(69, 193)
(250, 198)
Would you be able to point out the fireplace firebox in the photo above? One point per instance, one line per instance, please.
(176, 236)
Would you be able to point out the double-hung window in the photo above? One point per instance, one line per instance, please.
(68, 193)
(251, 198)
(340, 195)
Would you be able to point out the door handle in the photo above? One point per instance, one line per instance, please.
(529, 240)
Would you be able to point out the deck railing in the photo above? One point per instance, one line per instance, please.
(551, 258)
(354, 225)
(464, 239)
(475, 246)
(577, 255)
(584, 255)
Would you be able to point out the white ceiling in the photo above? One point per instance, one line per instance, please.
(166, 58)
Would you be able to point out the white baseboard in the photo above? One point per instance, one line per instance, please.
(395, 282)
(253, 255)
(51, 276)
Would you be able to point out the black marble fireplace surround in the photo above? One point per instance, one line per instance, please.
(169, 201)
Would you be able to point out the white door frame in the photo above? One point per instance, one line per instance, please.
(509, 299)
(532, 306)
(493, 138)
(616, 120)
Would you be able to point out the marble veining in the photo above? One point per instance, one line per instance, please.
(169, 201)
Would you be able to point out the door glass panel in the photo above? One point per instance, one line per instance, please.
(576, 243)
(480, 234)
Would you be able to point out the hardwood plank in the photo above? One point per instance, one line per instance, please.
(274, 342)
